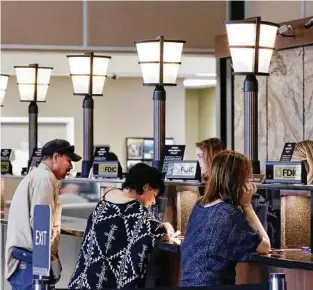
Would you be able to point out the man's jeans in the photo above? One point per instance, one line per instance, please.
(22, 278)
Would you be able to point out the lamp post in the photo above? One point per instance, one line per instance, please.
(88, 72)
(251, 43)
(3, 87)
(159, 60)
(33, 83)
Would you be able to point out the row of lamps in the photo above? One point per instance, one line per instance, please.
(251, 43)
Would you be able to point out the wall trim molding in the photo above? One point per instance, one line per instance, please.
(68, 121)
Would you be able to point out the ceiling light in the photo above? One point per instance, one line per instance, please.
(199, 83)
(206, 75)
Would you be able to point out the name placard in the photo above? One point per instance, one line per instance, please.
(35, 160)
(172, 153)
(286, 155)
(285, 172)
(257, 178)
(6, 166)
(100, 152)
(105, 169)
(186, 170)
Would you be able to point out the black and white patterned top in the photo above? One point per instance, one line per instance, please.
(114, 250)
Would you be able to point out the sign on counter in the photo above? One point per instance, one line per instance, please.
(100, 152)
(105, 169)
(186, 170)
(35, 159)
(287, 153)
(257, 178)
(6, 166)
(42, 240)
(285, 172)
(172, 153)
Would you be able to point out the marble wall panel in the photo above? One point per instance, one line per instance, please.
(262, 80)
(285, 100)
(238, 114)
(308, 92)
(239, 117)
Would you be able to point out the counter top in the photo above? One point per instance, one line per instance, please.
(69, 226)
(106, 182)
(291, 258)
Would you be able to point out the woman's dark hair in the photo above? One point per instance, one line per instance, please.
(229, 173)
(141, 174)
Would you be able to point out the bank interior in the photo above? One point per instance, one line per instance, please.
(207, 101)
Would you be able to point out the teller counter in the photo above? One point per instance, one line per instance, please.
(284, 210)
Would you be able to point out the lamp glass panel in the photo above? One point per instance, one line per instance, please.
(42, 91)
(80, 84)
(98, 85)
(44, 76)
(26, 92)
(268, 35)
(150, 72)
(173, 51)
(2, 94)
(241, 34)
(170, 72)
(265, 56)
(3, 83)
(148, 51)
(242, 59)
(79, 65)
(25, 75)
(100, 65)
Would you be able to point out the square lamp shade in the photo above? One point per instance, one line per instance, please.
(3, 87)
(251, 43)
(87, 81)
(159, 60)
(33, 82)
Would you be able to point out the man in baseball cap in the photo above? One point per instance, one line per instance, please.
(40, 186)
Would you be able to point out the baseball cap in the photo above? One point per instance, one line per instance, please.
(62, 147)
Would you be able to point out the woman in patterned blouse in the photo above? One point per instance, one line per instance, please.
(120, 233)
(223, 228)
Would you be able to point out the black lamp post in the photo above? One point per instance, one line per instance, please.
(3, 87)
(251, 43)
(33, 83)
(88, 72)
(159, 60)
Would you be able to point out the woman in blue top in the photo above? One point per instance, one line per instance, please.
(223, 228)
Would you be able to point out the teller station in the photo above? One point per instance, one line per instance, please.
(283, 204)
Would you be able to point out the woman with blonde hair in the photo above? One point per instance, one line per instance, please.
(205, 151)
(304, 152)
(223, 228)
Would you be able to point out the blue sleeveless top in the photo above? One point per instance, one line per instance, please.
(217, 238)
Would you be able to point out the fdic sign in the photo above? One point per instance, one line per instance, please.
(105, 169)
(285, 172)
(188, 170)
